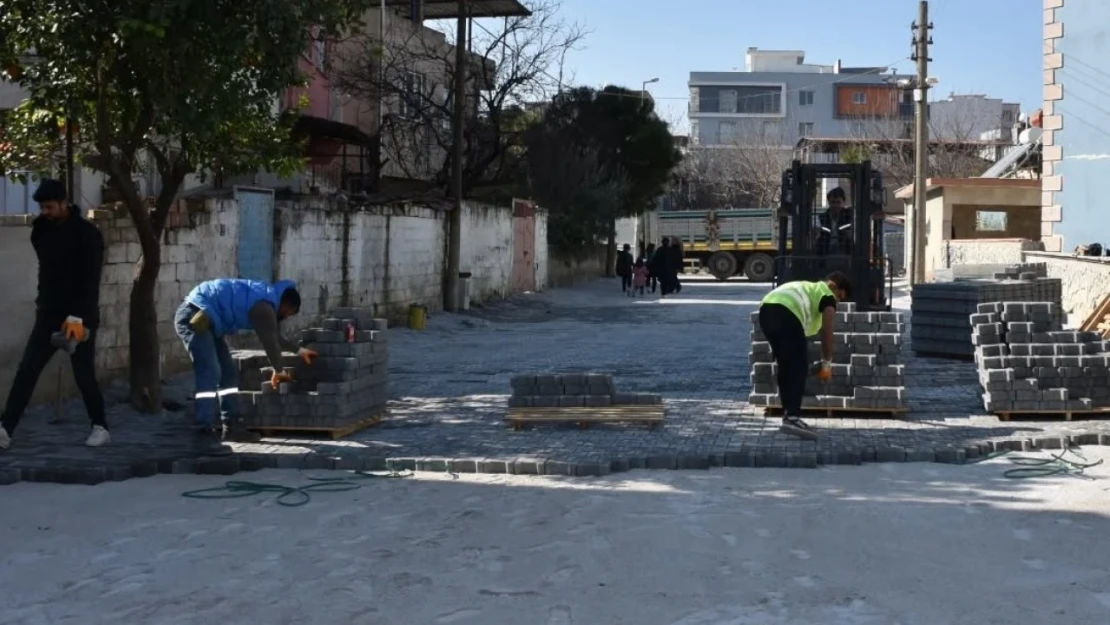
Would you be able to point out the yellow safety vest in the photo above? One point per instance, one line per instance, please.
(802, 299)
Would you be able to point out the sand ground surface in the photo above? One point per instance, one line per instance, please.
(907, 544)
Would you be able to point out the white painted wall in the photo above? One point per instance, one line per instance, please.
(487, 250)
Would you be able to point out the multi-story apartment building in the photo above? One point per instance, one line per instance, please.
(973, 116)
(779, 99)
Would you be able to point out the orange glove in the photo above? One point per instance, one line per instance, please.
(279, 377)
(307, 355)
(825, 372)
(74, 329)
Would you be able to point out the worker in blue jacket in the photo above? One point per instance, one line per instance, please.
(212, 311)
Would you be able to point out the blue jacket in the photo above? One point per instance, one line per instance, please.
(228, 301)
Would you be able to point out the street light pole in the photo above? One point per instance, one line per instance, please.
(921, 41)
(643, 88)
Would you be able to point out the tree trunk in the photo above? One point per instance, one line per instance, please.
(611, 251)
(146, 365)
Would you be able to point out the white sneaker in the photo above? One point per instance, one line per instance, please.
(98, 437)
(5, 439)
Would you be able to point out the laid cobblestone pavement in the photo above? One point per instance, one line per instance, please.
(450, 384)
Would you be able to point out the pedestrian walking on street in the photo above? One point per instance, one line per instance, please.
(788, 316)
(70, 252)
(639, 277)
(624, 268)
(649, 260)
(214, 310)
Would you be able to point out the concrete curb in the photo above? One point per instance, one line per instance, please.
(751, 458)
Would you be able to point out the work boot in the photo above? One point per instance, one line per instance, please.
(237, 432)
(209, 442)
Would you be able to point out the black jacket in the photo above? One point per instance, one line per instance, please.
(838, 242)
(71, 256)
(624, 263)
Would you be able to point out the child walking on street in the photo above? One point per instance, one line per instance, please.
(640, 275)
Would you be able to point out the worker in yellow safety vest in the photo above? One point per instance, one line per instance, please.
(788, 316)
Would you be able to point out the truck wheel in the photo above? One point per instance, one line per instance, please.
(759, 268)
(722, 265)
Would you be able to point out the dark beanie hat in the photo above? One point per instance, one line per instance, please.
(50, 190)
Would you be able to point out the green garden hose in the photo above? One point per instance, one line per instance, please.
(295, 496)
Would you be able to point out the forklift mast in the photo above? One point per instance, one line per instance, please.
(865, 264)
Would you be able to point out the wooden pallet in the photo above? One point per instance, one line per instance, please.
(336, 433)
(1068, 415)
(650, 415)
(1099, 320)
(839, 413)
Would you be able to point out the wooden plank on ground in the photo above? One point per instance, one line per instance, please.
(1067, 415)
(839, 413)
(1098, 319)
(335, 433)
(652, 415)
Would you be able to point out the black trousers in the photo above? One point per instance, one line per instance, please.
(791, 352)
(626, 281)
(35, 356)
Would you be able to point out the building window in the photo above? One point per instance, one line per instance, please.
(728, 101)
(990, 221)
(805, 98)
(695, 132)
(412, 94)
(1008, 116)
(859, 97)
(805, 129)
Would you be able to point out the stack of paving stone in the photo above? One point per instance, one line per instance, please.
(346, 384)
(866, 372)
(574, 390)
(940, 310)
(1027, 363)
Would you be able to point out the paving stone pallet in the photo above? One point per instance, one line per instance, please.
(941, 310)
(867, 373)
(1028, 364)
(345, 389)
(997, 271)
(583, 398)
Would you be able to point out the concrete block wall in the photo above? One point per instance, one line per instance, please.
(1085, 281)
(987, 252)
(1052, 121)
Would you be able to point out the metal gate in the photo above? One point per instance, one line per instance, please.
(256, 233)
(523, 276)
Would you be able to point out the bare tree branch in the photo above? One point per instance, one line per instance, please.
(515, 62)
(744, 172)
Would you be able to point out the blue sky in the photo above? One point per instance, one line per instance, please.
(980, 46)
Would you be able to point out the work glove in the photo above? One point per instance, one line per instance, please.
(278, 377)
(306, 355)
(824, 371)
(200, 322)
(74, 329)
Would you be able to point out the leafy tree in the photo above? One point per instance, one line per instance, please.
(192, 83)
(618, 127)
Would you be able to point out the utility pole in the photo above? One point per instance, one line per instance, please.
(454, 233)
(922, 38)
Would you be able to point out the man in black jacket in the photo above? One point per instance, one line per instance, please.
(70, 251)
(834, 226)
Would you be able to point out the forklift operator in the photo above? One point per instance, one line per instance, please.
(834, 232)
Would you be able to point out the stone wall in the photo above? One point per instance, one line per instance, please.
(987, 251)
(1085, 281)
(380, 257)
